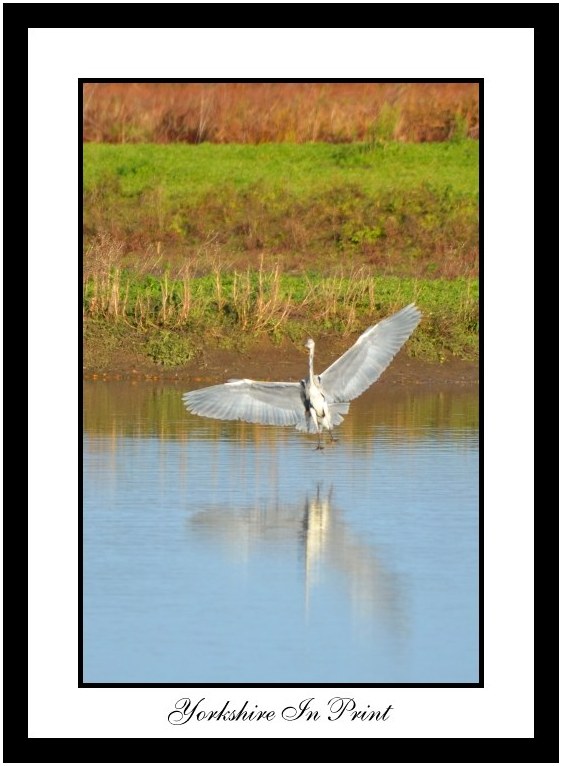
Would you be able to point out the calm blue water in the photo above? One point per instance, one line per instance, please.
(229, 553)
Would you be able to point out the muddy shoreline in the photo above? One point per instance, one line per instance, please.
(266, 362)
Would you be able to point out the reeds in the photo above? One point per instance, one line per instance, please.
(102, 286)
(249, 303)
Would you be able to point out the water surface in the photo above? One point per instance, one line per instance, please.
(232, 553)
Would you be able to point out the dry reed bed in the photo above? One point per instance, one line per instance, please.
(273, 112)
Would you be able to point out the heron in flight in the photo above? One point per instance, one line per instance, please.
(317, 402)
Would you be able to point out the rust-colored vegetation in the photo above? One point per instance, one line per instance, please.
(254, 113)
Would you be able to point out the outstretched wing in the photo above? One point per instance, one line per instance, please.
(369, 357)
(273, 404)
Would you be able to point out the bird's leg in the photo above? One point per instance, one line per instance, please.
(332, 437)
(319, 445)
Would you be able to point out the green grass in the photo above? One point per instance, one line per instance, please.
(187, 172)
(407, 209)
(212, 245)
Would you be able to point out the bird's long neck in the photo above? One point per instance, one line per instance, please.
(310, 364)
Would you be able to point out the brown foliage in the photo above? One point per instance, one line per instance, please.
(267, 112)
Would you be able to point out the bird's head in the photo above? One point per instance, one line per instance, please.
(309, 344)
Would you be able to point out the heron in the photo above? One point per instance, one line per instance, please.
(317, 403)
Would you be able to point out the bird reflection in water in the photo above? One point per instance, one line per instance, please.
(327, 544)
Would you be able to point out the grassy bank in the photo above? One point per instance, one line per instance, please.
(171, 320)
(402, 209)
(191, 248)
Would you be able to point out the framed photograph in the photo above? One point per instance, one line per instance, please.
(224, 224)
(287, 524)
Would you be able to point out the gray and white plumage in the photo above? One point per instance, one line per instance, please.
(317, 401)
